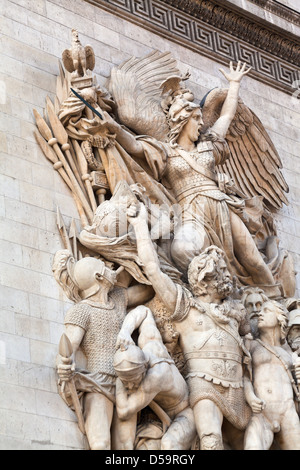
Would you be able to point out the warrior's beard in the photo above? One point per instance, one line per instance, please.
(221, 286)
(295, 344)
(224, 286)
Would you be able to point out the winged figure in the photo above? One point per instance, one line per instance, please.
(201, 174)
(219, 164)
(254, 163)
(213, 161)
(79, 58)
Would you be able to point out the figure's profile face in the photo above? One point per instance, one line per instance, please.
(194, 125)
(91, 275)
(223, 277)
(133, 384)
(267, 318)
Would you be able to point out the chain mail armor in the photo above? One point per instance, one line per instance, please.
(102, 325)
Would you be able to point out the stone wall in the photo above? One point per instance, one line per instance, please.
(33, 36)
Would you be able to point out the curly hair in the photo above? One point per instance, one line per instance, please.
(203, 268)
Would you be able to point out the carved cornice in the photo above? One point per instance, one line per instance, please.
(280, 10)
(214, 13)
(215, 30)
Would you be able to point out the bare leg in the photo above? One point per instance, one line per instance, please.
(209, 419)
(289, 436)
(98, 413)
(181, 433)
(259, 435)
(123, 433)
(187, 244)
(247, 253)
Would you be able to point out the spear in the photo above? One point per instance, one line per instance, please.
(58, 166)
(63, 232)
(53, 142)
(85, 175)
(87, 104)
(73, 235)
(66, 352)
(52, 157)
(62, 137)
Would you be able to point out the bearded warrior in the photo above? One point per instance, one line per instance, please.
(208, 326)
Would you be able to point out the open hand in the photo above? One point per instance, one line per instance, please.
(236, 75)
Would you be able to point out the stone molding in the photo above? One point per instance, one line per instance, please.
(280, 10)
(218, 32)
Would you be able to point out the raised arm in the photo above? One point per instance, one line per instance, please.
(229, 108)
(138, 295)
(140, 318)
(131, 323)
(164, 287)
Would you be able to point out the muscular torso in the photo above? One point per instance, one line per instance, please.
(271, 381)
(209, 350)
(172, 394)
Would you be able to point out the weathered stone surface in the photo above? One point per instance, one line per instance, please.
(34, 33)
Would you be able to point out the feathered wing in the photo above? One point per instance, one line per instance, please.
(254, 164)
(90, 58)
(135, 87)
(67, 59)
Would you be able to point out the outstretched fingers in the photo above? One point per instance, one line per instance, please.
(245, 72)
(224, 73)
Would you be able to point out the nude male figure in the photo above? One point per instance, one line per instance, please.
(271, 392)
(147, 373)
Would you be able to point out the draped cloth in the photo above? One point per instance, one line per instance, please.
(150, 173)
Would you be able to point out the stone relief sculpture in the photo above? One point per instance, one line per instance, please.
(273, 390)
(293, 333)
(208, 326)
(148, 376)
(176, 204)
(79, 59)
(94, 323)
(253, 299)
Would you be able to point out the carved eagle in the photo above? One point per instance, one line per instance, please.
(79, 58)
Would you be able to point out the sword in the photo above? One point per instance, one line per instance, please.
(66, 351)
(87, 104)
